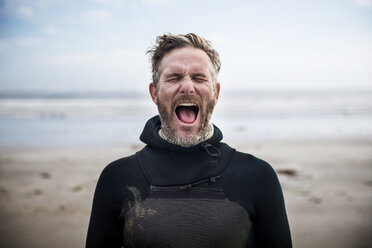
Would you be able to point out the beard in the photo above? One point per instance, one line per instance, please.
(189, 138)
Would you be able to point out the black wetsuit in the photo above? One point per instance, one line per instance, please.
(208, 195)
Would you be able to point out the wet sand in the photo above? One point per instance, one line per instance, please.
(46, 192)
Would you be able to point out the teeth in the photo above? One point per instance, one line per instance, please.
(187, 104)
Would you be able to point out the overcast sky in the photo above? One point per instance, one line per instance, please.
(98, 45)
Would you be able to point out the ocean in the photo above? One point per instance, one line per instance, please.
(60, 119)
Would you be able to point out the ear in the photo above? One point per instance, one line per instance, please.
(217, 91)
(153, 92)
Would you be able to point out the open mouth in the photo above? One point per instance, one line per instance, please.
(187, 112)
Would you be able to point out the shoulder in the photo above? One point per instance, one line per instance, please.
(118, 175)
(120, 168)
(244, 166)
(121, 162)
(249, 161)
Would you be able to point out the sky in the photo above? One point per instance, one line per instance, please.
(100, 45)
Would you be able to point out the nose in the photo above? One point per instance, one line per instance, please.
(187, 86)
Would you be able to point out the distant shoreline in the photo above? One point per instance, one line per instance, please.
(105, 118)
(40, 94)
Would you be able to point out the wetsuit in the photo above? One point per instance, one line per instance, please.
(209, 195)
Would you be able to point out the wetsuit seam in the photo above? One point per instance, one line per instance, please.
(142, 169)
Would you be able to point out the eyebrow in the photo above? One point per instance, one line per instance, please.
(199, 75)
(175, 74)
(181, 74)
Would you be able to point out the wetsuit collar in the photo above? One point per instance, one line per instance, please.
(150, 136)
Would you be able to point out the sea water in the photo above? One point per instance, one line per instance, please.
(243, 116)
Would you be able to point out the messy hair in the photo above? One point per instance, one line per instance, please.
(167, 42)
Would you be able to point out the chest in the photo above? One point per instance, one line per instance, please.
(180, 219)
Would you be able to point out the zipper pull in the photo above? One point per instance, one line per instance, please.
(214, 152)
(212, 148)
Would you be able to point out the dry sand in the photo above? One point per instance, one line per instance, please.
(46, 193)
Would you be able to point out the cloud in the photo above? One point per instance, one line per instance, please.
(217, 38)
(110, 67)
(28, 42)
(112, 3)
(3, 46)
(97, 58)
(365, 3)
(157, 2)
(116, 61)
(50, 30)
(25, 11)
(98, 15)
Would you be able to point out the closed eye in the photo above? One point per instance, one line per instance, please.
(174, 77)
(199, 79)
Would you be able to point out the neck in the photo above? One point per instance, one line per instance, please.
(199, 139)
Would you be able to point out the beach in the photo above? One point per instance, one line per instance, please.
(46, 193)
(47, 183)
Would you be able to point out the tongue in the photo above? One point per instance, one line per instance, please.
(187, 115)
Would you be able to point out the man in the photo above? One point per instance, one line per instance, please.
(186, 188)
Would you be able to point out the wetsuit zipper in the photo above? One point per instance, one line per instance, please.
(184, 186)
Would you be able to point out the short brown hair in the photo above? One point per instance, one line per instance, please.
(167, 42)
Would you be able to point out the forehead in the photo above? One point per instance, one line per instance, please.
(185, 59)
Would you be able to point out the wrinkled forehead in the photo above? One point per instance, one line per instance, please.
(182, 70)
(182, 60)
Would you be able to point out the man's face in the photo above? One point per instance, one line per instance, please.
(185, 95)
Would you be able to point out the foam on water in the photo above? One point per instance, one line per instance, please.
(242, 116)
